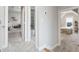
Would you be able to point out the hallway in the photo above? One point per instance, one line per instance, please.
(69, 30)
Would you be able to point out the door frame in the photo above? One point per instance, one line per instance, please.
(27, 23)
(28, 28)
(36, 29)
(6, 26)
(23, 21)
(59, 18)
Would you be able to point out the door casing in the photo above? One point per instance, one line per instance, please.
(5, 27)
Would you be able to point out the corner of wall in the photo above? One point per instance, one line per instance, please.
(48, 47)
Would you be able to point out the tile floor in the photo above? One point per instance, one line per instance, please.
(69, 43)
(16, 44)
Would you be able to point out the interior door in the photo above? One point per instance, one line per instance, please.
(27, 23)
(3, 27)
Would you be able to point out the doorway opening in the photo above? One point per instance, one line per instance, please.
(68, 27)
(21, 22)
(68, 30)
(14, 23)
(15, 36)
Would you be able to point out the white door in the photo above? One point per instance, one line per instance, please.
(3, 27)
(27, 23)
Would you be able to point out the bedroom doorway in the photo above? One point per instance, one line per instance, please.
(15, 31)
(21, 29)
(14, 23)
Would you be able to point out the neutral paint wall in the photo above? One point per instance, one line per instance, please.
(47, 26)
(64, 7)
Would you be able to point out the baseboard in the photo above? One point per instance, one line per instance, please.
(42, 47)
(48, 47)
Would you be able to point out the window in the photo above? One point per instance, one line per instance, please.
(69, 21)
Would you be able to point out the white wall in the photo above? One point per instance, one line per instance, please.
(64, 7)
(47, 26)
